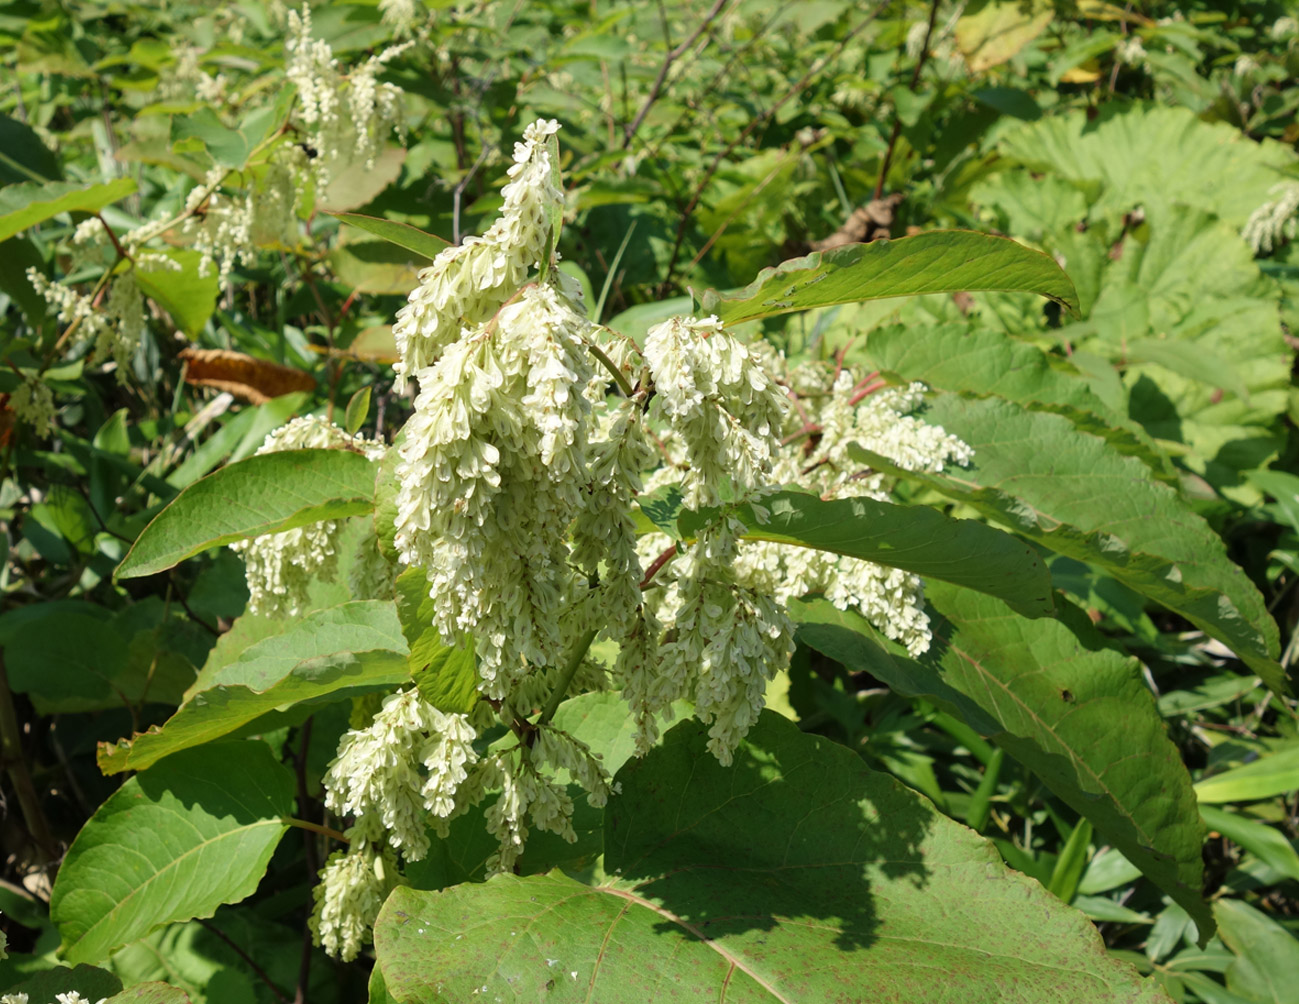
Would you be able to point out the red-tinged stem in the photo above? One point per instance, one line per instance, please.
(658, 563)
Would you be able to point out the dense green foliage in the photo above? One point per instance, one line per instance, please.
(1073, 223)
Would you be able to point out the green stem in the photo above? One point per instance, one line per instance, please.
(607, 363)
(574, 660)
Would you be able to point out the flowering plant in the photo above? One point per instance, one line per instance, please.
(613, 643)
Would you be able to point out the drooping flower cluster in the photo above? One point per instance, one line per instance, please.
(377, 772)
(817, 457)
(490, 481)
(115, 324)
(468, 283)
(33, 403)
(71, 997)
(1274, 222)
(280, 567)
(353, 885)
(347, 116)
(533, 435)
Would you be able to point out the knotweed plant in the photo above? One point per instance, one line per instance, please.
(534, 433)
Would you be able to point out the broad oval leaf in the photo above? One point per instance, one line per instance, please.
(264, 494)
(173, 843)
(942, 261)
(1085, 722)
(182, 288)
(327, 655)
(23, 206)
(917, 539)
(795, 875)
(1070, 491)
(402, 234)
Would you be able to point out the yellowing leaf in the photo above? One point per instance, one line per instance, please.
(994, 32)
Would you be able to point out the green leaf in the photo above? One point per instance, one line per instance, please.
(89, 981)
(17, 255)
(173, 843)
(197, 958)
(446, 677)
(1267, 955)
(796, 874)
(228, 147)
(1275, 773)
(402, 234)
(68, 661)
(916, 539)
(937, 262)
(328, 655)
(187, 295)
(358, 410)
(360, 182)
(1070, 491)
(23, 206)
(989, 363)
(992, 31)
(1086, 723)
(851, 640)
(1144, 154)
(375, 267)
(23, 157)
(1266, 843)
(269, 493)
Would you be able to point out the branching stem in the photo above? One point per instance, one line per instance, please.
(607, 363)
(570, 670)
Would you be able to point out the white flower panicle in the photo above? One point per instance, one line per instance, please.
(725, 641)
(491, 477)
(346, 116)
(280, 567)
(532, 797)
(377, 771)
(879, 421)
(353, 885)
(468, 283)
(516, 482)
(604, 539)
(71, 997)
(721, 403)
(115, 325)
(1274, 222)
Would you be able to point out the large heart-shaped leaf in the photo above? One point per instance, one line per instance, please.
(942, 261)
(264, 494)
(173, 843)
(796, 875)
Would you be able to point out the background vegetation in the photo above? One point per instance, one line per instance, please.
(1150, 149)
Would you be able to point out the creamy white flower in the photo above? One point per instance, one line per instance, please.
(376, 774)
(353, 885)
(491, 475)
(721, 403)
(1275, 221)
(468, 283)
(346, 115)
